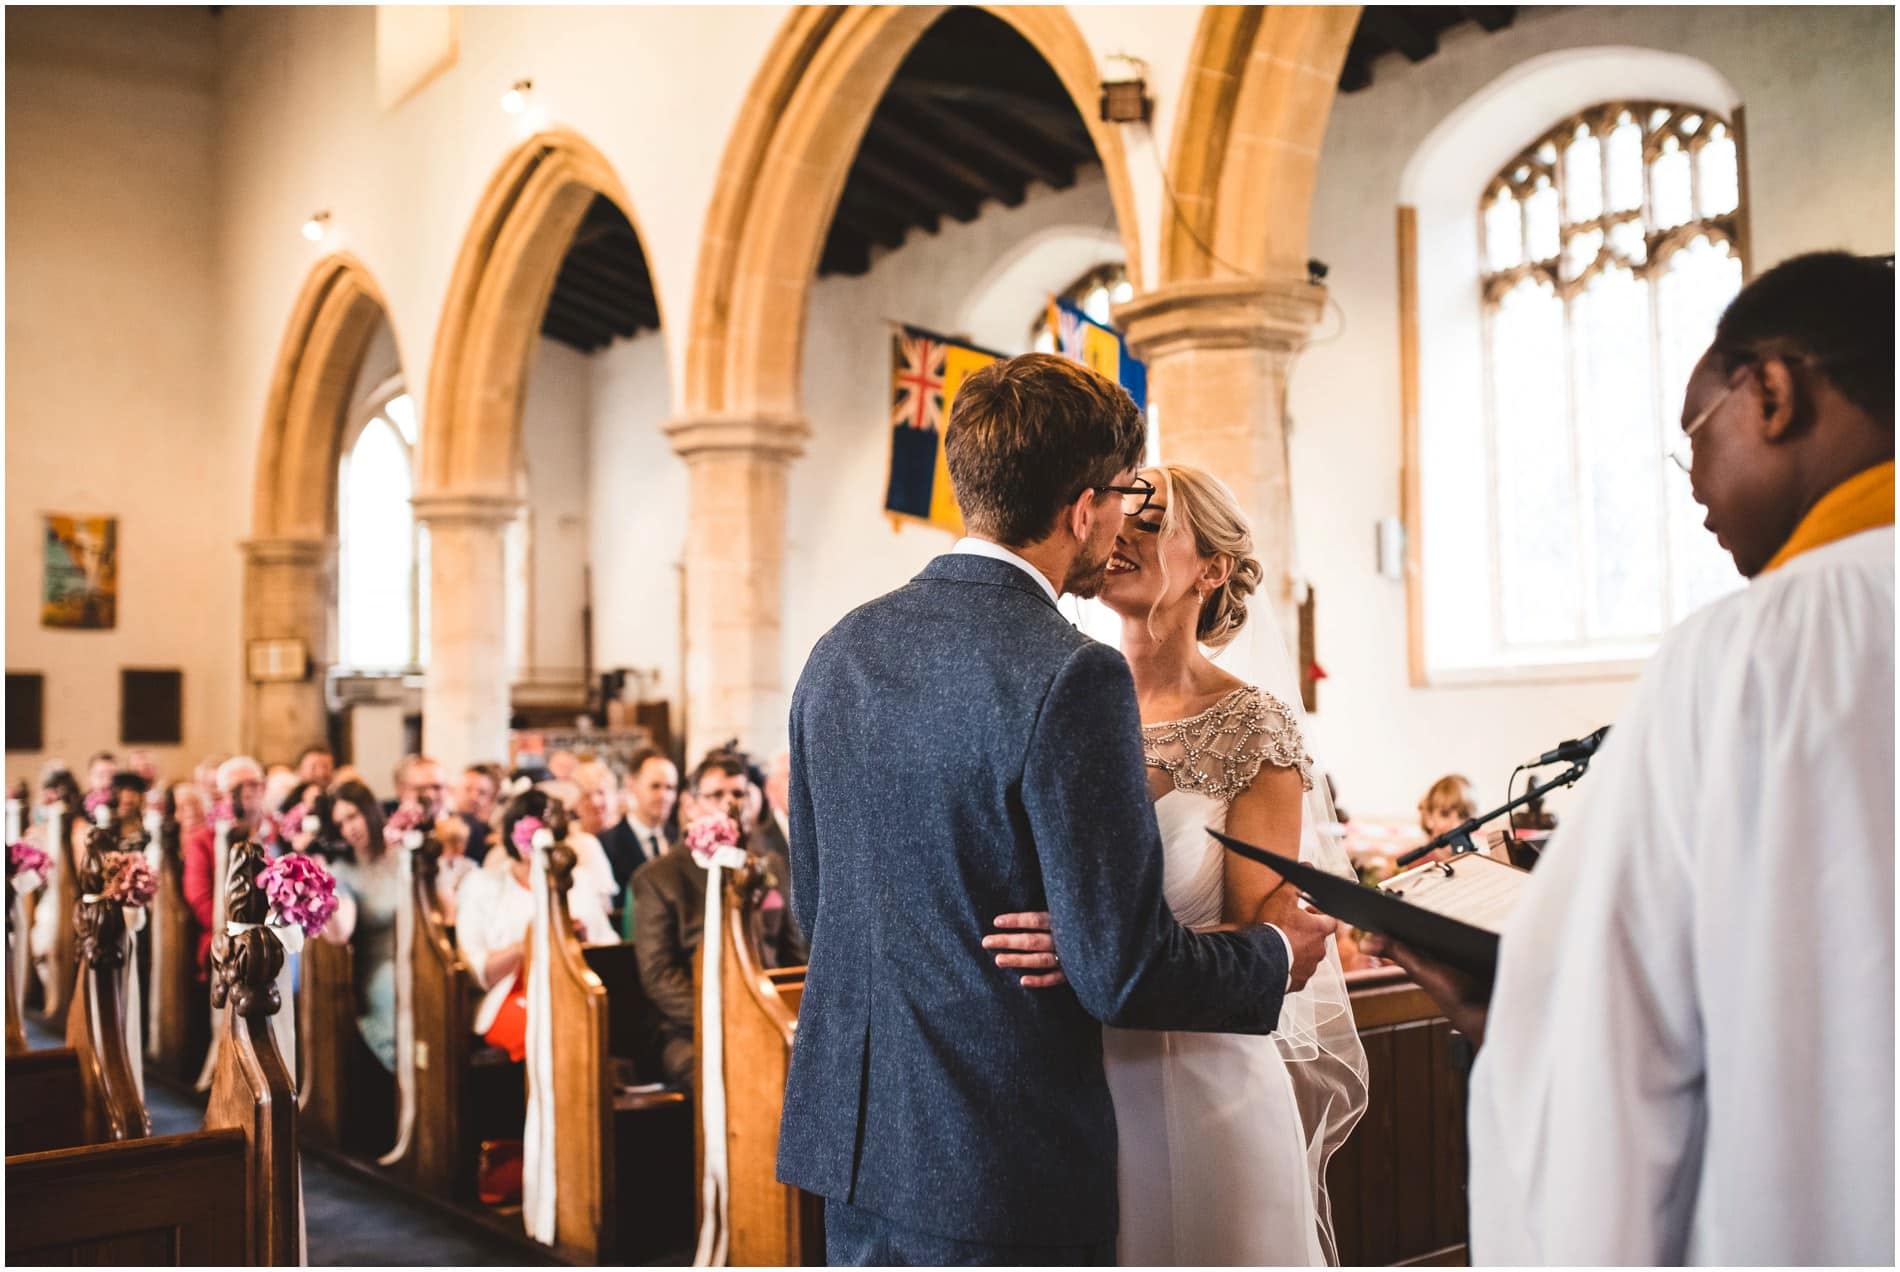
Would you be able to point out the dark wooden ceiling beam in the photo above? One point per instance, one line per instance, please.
(870, 224)
(602, 291)
(1010, 153)
(959, 204)
(1492, 17)
(846, 254)
(1058, 123)
(576, 336)
(899, 205)
(1394, 25)
(1356, 74)
(605, 312)
(627, 272)
(896, 127)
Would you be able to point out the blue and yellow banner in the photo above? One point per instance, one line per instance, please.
(1098, 346)
(926, 371)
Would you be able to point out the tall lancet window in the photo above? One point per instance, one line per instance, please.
(381, 603)
(1609, 249)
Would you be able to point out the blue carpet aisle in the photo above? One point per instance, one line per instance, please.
(350, 1221)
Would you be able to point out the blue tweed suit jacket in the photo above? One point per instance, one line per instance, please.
(960, 751)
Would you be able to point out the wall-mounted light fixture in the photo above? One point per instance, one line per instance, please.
(1125, 97)
(515, 100)
(317, 226)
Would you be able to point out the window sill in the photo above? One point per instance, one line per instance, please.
(1622, 669)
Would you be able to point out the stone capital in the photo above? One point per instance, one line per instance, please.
(465, 508)
(777, 438)
(1221, 313)
(306, 553)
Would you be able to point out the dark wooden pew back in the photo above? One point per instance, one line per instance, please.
(178, 1010)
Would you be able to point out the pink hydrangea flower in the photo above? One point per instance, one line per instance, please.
(293, 820)
(707, 835)
(97, 800)
(23, 857)
(301, 891)
(129, 880)
(524, 832)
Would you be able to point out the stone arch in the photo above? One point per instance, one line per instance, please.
(785, 169)
(1259, 88)
(500, 287)
(290, 559)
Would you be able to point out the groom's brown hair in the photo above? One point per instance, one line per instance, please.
(1028, 435)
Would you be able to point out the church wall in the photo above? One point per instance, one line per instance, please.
(637, 493)
(1817, 88)
(112, 350)
(554, 441)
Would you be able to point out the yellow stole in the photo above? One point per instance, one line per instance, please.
(1862, 502)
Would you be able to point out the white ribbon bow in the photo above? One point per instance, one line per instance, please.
(289, 935)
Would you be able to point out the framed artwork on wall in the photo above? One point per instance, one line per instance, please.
(82, 573)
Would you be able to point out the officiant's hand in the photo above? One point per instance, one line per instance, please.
(1026, 944)
(1465, 999)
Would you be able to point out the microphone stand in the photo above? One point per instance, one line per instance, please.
(1458, 838)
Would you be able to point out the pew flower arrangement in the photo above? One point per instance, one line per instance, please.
(523, 835)
(401, 822)
(302, 893)
(129, 880)
(96, 800)
(27, 866)
(707, 835)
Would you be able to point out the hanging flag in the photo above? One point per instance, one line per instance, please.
(926, 371)
(1099, 346)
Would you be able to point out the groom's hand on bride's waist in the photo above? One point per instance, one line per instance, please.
(1025, 943)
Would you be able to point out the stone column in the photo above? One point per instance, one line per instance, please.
(289, 594)
(465, 693)
(1218, 354)
(735, 564)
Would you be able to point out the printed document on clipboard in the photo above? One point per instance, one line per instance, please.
(1450, 910)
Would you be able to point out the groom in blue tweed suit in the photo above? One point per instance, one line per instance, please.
(959, 751)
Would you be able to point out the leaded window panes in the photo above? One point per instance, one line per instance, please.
(1609, 248)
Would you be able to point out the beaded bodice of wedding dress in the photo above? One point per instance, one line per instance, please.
(1213, 1164)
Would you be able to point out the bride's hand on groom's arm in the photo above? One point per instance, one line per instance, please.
(1025, 944)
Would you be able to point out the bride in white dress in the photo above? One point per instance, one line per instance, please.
(1224, 1138)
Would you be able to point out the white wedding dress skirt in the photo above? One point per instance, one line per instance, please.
(1213, 1160)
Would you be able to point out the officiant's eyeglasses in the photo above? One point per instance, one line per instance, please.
(1135, 498)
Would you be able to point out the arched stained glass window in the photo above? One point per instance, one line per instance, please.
(1609, 249)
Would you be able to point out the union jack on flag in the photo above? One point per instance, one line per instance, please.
(917, 389)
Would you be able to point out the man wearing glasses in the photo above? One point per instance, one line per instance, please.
(1688, 1053)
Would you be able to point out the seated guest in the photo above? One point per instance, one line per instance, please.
(454, 865)
(369, 890)
(419, 785)
(646, 831)
(1450, 802)
(597, 810)
(561, 765)
(142, 763)
(669, 910)
(240, 789)
(280, 788)
(475, 799)
(128, 804)
(316, 766)
(591, 856)
(57, 787)
(495, 909)
(772, 841)
(99, 771)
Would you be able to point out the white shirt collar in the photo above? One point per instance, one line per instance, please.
(641, 829)
(997, 552)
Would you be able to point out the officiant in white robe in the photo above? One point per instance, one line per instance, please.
(1688, 1053)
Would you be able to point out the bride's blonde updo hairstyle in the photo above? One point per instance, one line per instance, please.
(1200, 504)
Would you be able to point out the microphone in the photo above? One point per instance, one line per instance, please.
(1574, 750)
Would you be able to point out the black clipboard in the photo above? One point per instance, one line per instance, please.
(1467, 948)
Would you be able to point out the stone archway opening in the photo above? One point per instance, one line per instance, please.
(552, 260)
(290, 559)
(812, 183)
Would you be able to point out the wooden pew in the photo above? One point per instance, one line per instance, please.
(19, 966)
(769, 1224)
(346, 1097)
(623, 1159)
(44, 1099)
(56, 987)
(170, 1199)
(1397, 1185)
(440, 1155)
(178, 1010)
(112, 1107)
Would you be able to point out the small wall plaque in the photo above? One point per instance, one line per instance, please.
(279, 660)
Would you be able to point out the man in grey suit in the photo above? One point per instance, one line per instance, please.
(959, 751)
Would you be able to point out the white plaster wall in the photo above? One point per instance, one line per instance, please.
(841, 548)
(111, 354)
(1817, 88)
(555, 418)
(637, 492)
